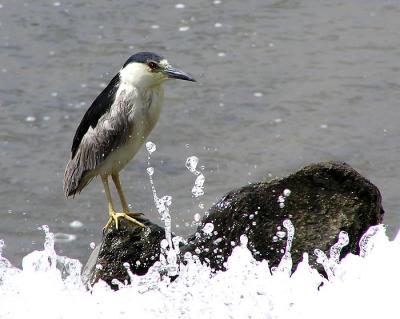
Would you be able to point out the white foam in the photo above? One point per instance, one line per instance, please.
(48, 286)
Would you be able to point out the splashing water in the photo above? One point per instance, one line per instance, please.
(170, 252)
(281, 198)
(366, 244)
(49, 286)
(198, 188)
(330, 264)
(285, 266)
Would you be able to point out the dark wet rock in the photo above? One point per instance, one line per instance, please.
(325, 198)
(139, 247)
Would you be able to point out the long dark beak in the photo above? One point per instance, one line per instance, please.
(174, 73)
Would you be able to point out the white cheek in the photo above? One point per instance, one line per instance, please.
(137, 74)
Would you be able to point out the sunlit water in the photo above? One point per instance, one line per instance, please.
(365, 285)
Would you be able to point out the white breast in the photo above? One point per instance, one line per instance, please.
(143, 115)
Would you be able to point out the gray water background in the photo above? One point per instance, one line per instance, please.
(280, 84)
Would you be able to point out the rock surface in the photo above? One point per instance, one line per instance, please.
(320, 200)
(131, 244)
(324, 199)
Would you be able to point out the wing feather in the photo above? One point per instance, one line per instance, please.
(110, 132)
(99, 107)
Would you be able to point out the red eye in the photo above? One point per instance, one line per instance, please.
(152, 65)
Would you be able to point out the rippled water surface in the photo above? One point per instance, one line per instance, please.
(280, 84)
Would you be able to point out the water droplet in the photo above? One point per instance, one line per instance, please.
(198, 188)
(243, 240)
(218, 25)
(155, 26)
(287, 192)
(221, 54)
(191, 163)
(164, 244)
(258, 94)
(208, 228)
(281, 234)
(92, 245)
(150, 171)
(151, 147)
(183, 29)
(196, 217)
(179, 6)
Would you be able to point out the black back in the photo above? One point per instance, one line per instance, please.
(99, 106)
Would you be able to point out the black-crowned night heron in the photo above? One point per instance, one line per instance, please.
(116, 125)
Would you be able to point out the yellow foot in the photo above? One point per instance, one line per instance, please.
(128, 216)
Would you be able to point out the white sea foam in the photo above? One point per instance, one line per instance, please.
(49, 286)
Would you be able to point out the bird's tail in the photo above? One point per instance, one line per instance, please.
(75, 177)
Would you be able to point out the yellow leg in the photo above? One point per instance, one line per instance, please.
(125, 209)
(124, 204)
(111, 212)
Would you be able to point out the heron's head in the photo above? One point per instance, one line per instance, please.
(147, 69)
